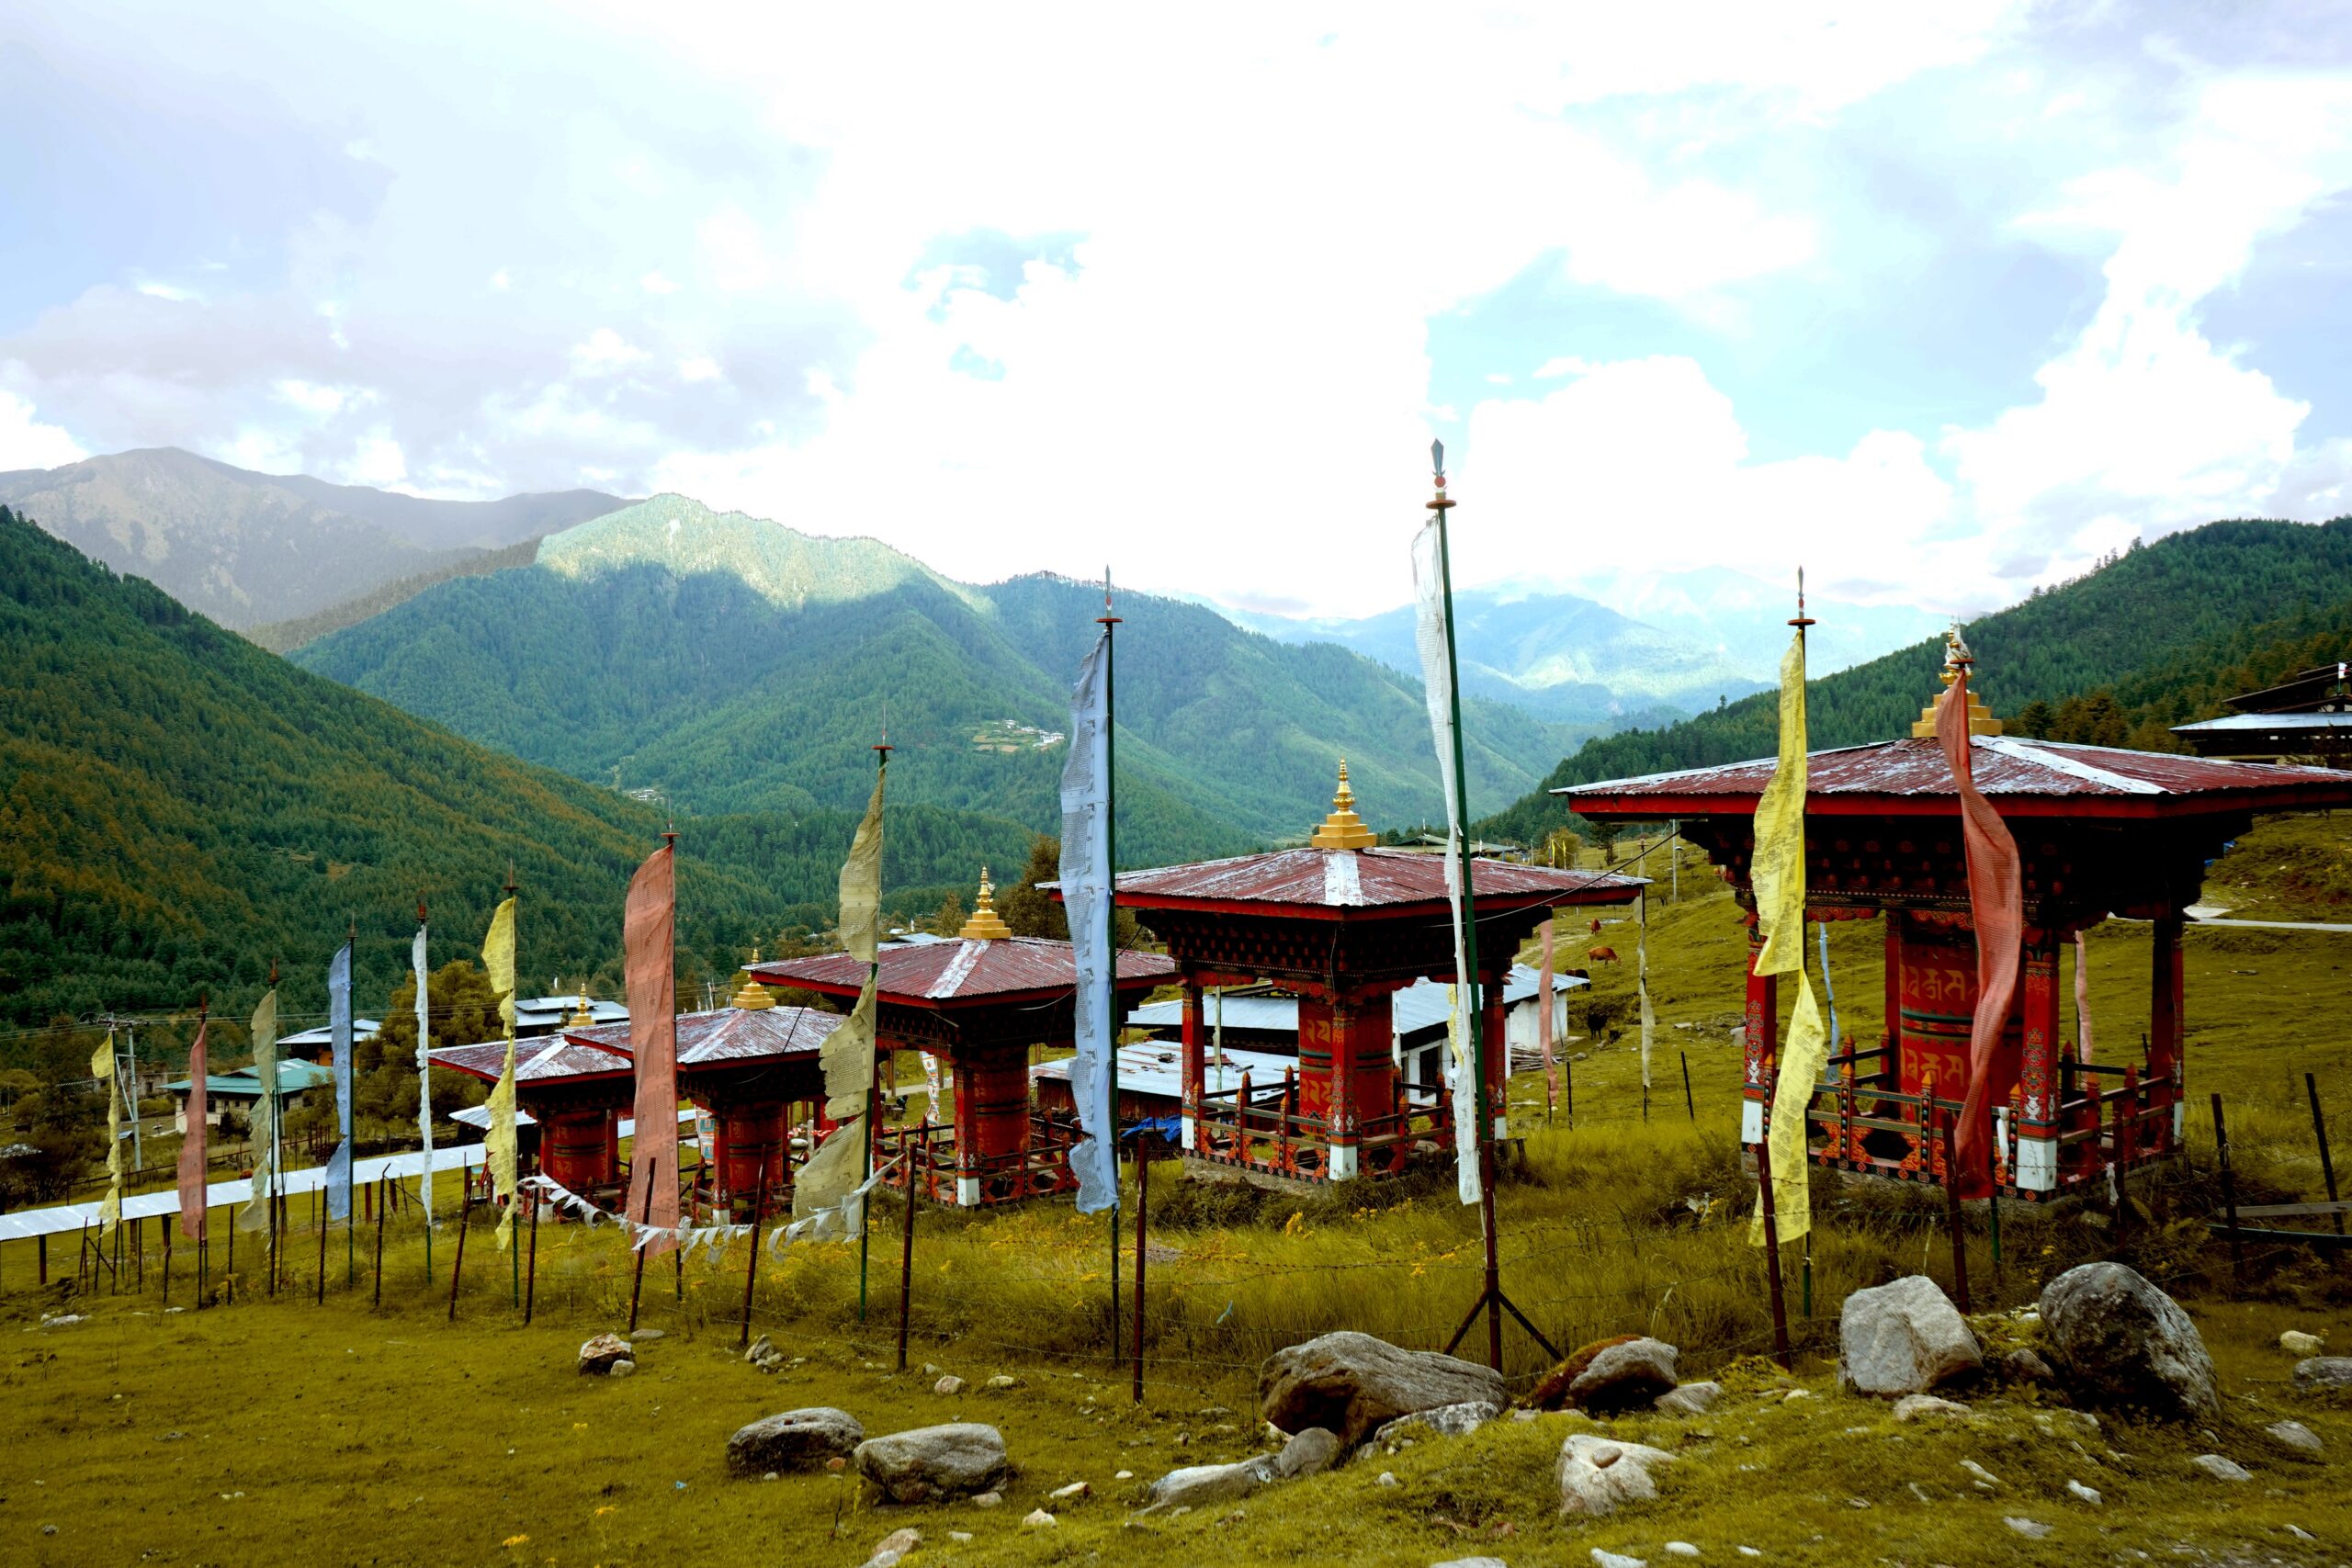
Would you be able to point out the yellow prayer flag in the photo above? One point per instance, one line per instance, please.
(498, 958)
(1778, 876)
(861, 885)
(102, 1068)
(498, 1143)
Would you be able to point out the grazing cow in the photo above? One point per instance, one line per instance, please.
(1596, 928)
(1602, 955)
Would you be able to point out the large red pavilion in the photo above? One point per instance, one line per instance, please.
(1342, 924)
(2101, 831)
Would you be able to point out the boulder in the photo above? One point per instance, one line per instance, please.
(795, 1439)
(1311, 1452)
(1624, 1377)
(2117, 1341)
(962, 1459)
(1551, 1392)
(2220, 1467)
(894, 1546)
(1597, 1474)
(949, 1385)
(1353, 1384)
(2025, 1364)
(600, 1355)
(2295, 1342)
(1201, 1484)
(2323, 1372)
(621, 1369)
(1445, 1421)
(1911, 1406)
(2296, 1436)
(1690, 1399)
(1903, 1337)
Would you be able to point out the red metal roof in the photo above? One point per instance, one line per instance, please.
(2023, 777)
(542, 1060)
(1332, 884)
(730, 1034)
(947, 973)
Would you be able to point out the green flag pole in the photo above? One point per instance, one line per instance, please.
(514, 1254)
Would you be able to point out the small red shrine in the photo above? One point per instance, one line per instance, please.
(577, 1093)
(2101, 831)
(1343, 925)
(980, 1000)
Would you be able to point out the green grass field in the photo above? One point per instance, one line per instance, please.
(279, 1430)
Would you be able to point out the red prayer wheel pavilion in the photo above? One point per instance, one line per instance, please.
(1343, 925)
(2100, 831)
(980, 1000)
(577, 1092)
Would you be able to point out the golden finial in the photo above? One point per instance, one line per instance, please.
(1343, 829)
(985, 924)
(1957, 657)
(753, 996)
(581, 1018)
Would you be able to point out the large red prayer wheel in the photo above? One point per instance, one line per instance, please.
(751, 1146)
(1352, 1042)
(578, 1147)
(1937, 994)
(992, 1104)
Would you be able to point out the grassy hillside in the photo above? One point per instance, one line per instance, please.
(2177, 599)
(178, 808)
(733, 664)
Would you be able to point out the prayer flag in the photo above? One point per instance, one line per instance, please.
(829, 1196)
(1437, 687)
(194, 1149)
(1778, 880)
(1996, 909)
(424, 1069)
(1543, 1020)
(261, 1131)
(1641, 980)
(498, 1142)
(338, 1176)
(648, 930)
(2083, 997)
(102, 1066)
(1088, 897)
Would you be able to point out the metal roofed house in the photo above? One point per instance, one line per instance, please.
(1342, 924)
(980, 1000)
(318, 1044)
(1151, 1081)
(576, 1091)
(2099, 830)
(2306, 719)
(242, 1086)
(545, 1015)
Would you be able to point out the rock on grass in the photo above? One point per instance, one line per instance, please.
(2119, 1342)
(1903, 1337)
(962, 1459)
(1353, 1384)
(794, 1439)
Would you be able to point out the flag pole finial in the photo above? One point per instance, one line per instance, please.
(1441, 503)
(1801, 620)
(1106, 618)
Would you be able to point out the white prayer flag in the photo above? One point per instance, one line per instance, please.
(1436, 683)
(1087, 895)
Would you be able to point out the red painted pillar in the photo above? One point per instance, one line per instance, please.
(750, 1147)
(1494, 1042)
(992, 1126)
(2035, 1167)
(2166, 1027)
(1891, 1065)
(1763, 1034)
(1195, 1067)
(579, 1145)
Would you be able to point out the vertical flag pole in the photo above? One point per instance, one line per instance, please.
(350, 1154)
(423, 1078)
(1110, 625)
(873, 1096)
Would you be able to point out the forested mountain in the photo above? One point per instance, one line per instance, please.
(179, 808)
(247, 549)
(725, 664)
(2130, 618)
(281, 637)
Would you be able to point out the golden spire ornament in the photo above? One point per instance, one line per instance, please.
(985, 924)
(1957, 657)
(753, 996)
(1343, 829)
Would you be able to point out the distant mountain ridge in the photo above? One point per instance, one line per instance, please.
(736, 664)
(2147, 609)
(249, 550)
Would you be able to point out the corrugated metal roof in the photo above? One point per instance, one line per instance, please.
(543, 1060)
(730, 1034)
(959, 970)
(2260, 721)
(1360, 879)
(293, 1078)
(1155, 1069)
(361, 1029)
(1418, 1005)
(2014, 772)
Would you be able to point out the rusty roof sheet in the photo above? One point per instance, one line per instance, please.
(2015, 772)
(732, 1034)
(964, 970)
(1360, 879)
(543, 1060)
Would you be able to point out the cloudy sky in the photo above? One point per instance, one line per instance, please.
(1943, 301)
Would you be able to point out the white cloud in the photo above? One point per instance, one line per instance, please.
(377, 459)
(654, 283)
(605, 353)
(500, 281)
(154, 290)
(25, 442)
(311, 398)
(700, 368)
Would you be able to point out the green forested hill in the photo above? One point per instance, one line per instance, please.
(2189, 597)
(178, 808)
(731, 664)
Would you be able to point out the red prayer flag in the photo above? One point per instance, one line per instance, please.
(193, 1153)
(1996, 909)
(647, 942)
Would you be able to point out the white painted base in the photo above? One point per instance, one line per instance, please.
(2037, 1163)
(968, 1191)
(2179, 1120)
(1188, 1129)
(1343, 1161)
(1502, 1128)
(1751, 1121)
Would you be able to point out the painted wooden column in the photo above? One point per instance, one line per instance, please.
(2166, 1027)
(1891, 1063)
(1194, 1067)
(967, 1131)
(1494, 1031)
(1342, 1140)
(577, 1146)
(2035, 1168)
(1763, 1031)
(751, 1139)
